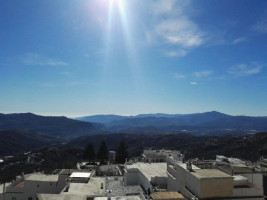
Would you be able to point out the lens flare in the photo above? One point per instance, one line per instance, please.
(121, 9)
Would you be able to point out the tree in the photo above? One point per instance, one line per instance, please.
(89, 152)
(102, 154)
(121, 153)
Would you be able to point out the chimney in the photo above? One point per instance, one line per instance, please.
(189, 166)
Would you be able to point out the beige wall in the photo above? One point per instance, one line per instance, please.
(179, 178)
(217, 187)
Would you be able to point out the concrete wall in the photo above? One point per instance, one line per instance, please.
(217, 187)
(247, 192)
(255, 186)
(31, 188)
(161, 182)
(171, 183)
(34, 187)
(18, 196)
(255, 178)
(265, 184)
(135, 177)
(130, 177)
(186, 179)
(179, 179)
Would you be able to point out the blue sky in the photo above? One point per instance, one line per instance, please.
(85, 57)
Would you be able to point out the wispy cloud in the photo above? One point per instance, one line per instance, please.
(193, 83)
(201, 74)
(163, 7)
(239, 40)
(181, 32)
(41, 60)
(245, 70)
(179, 76)
(177, 53)
(260, 27)
(220, 38)
(174, 27)
(95, 53)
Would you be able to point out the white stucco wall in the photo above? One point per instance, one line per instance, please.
(31, 188)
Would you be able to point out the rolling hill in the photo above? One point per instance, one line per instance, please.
(17, 141)
(250, 147)
(61, 127)
(199, 123)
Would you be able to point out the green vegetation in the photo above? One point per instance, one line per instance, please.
(250, 147)
(121, 153)
(102, 154)
(89, 152)
(18, 141)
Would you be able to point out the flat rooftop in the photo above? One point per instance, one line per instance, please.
(61, 197)
(167, 196)
(126, 198)
(108, 167)
(80, 175)
(235, 169)
(41, 177)
(150, 169)
(70, 171)
(210, 173)
(100, 198)
(92, 188)
(183, 165)
(117, 188)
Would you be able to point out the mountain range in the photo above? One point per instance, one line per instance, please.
(208, 122)
(60, 127)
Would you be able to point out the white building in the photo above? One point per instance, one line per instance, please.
(147, 175)
(193, 182)
(263, 165)
(98, 188)
(233, 161)
(27, 187)
(154, 156)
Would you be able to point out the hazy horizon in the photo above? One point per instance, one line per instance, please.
(70, 115)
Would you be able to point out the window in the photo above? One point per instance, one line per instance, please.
(30, 198)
